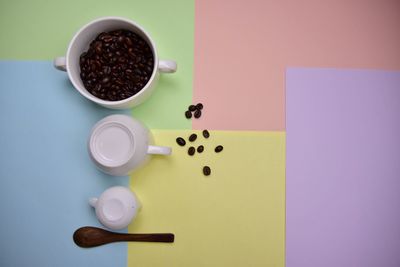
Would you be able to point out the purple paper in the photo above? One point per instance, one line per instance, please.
(343, 168)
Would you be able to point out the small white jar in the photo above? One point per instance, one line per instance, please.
(116, 207)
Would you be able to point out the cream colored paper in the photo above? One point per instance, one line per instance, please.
(234, 217)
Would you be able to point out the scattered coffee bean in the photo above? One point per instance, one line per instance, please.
(206, 170)
(192, 108)
(200, 149)
(188, 114)
(197, 114)
(219, 148)
(111, 61)
(181, 141)
(196, 110)
(192, 137)
(191, 151)
(206, 134)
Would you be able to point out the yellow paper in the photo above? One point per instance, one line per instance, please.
(234, 217)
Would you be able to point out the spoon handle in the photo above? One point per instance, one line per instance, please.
(166, 238)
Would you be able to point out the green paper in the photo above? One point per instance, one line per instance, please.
(40, 29)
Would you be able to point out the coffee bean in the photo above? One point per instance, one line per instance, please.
(111, 97)
(91, 76)
(188, 114)
(98, 48)
(128, 41)
(191, 151)
(120, 81)
(106, 69)
(105, 80)
(199, 106)
(200, 149)
(181, 141)
(206, 134)
(206, 170)
(110, 60)
(192, 108)
(107, 39)
(197, 114)
(97, 88)
(131, 54)
(192, 137)
(93, 66)
(219, 148)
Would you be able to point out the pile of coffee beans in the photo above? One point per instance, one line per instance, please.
(117, 65)
(194, 110)
(192, 150)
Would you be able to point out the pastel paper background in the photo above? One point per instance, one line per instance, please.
(342, 168)
(243, 47)
(234, 217)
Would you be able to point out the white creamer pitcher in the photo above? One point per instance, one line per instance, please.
(116, 207)
(119, 144)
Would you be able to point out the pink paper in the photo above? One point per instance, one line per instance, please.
(243, 47)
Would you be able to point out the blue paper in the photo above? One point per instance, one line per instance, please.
(46, 176)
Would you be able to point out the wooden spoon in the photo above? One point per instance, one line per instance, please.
(92, 237)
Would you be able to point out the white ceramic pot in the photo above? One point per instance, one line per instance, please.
(80, 43)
